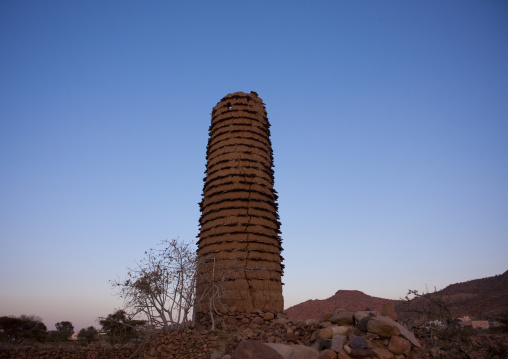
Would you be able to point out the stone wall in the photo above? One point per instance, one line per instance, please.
(94, 351)
(338, 335)
(239, 247)
(233, 328)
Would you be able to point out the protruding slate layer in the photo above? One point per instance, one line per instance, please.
(239, 247)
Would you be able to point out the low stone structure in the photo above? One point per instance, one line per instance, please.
(337, 335)
(93, 351)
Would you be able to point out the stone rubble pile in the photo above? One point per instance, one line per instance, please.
(183, 344)
(257, 334)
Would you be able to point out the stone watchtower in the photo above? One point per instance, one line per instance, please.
(239, 247)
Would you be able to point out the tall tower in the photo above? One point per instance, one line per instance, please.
(239, 247)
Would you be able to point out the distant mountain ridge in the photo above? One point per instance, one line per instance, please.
(352, 300)
(485, 298)
(479, 298)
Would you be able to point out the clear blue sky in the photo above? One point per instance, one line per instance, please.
(389, 129)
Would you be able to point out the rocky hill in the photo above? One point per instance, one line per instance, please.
(351, 300)
(480, 299)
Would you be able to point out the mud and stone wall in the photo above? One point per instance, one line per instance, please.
(93, 351)
(239, 247)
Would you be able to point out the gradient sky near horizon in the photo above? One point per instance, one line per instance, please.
(389, 130)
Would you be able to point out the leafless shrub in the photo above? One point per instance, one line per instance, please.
(161, 288)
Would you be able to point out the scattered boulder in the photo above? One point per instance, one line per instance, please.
(343, 355)
(338, 341)
(323, 345)
(342, 329)
(358, 343)
(258, 320)
(268, 316)
(347, 348)
(329, 332)
(362, 353)
(383, 353)
(362, 324)
(343, 318)
(408, 335)
(325, 333)
(398, 345)
(386, 323)
(389, 310)
(365, 313)
(383, 326)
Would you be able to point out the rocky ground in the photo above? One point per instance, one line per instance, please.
(340, 334)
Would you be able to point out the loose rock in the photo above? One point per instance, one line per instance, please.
(362, 353)
(358, 343)
(343, 318)
(327, 354)
(383, 326)
(383, 353)
(251, 349)
(338, 341)
(389, 310)
(398, 345)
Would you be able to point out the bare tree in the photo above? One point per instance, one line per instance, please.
(161, 288)
(428, 315)
(423, 308)
(213, 292)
